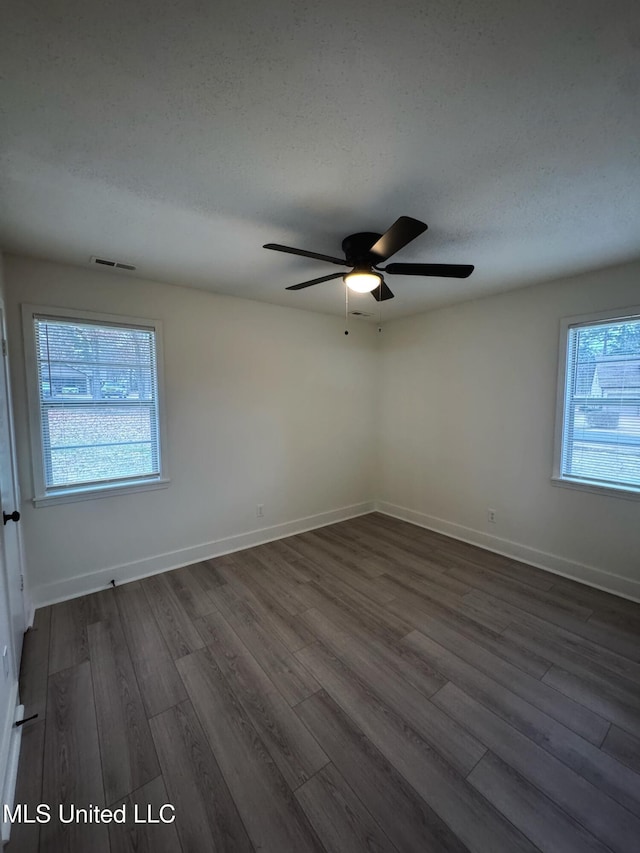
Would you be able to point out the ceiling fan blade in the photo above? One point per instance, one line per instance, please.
(278, 248)
(442, 270)
(314, 281)
(403, 231)
(381, 293)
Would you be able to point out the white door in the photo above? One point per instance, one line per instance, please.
(10, 534)
(12, 611)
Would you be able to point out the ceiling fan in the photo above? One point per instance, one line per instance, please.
(365, 251)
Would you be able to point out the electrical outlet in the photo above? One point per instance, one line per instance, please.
(491, 516)
(260, 511)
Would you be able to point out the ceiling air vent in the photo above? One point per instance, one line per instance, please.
(118, 265)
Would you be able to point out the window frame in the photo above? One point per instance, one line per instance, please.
(43, 496)
(566, 323)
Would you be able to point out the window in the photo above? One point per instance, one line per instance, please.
(598, 430)
(94, 399)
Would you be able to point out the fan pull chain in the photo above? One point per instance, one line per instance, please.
(346, 309)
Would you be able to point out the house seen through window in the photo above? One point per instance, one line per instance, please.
(600, 439)
(97, 396)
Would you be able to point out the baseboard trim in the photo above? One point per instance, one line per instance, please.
(74, 587)
(31, 613)
(589, 575)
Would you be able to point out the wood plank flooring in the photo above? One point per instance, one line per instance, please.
(369, 686)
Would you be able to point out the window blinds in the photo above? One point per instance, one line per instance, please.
(601, 426)
(98, 392)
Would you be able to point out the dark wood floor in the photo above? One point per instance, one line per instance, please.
(368, 686)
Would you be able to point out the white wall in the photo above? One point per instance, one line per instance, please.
(264, 405)
(467, 417)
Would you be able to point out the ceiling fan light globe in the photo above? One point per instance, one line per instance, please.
(362, 282)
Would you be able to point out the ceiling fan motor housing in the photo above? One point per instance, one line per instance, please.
(356, 249)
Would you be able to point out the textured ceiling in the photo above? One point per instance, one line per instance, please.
(182, 136)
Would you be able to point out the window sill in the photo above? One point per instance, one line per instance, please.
(73, 495)
(629, 494)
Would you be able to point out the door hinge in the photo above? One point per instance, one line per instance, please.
(4, 347)
(21, 583)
